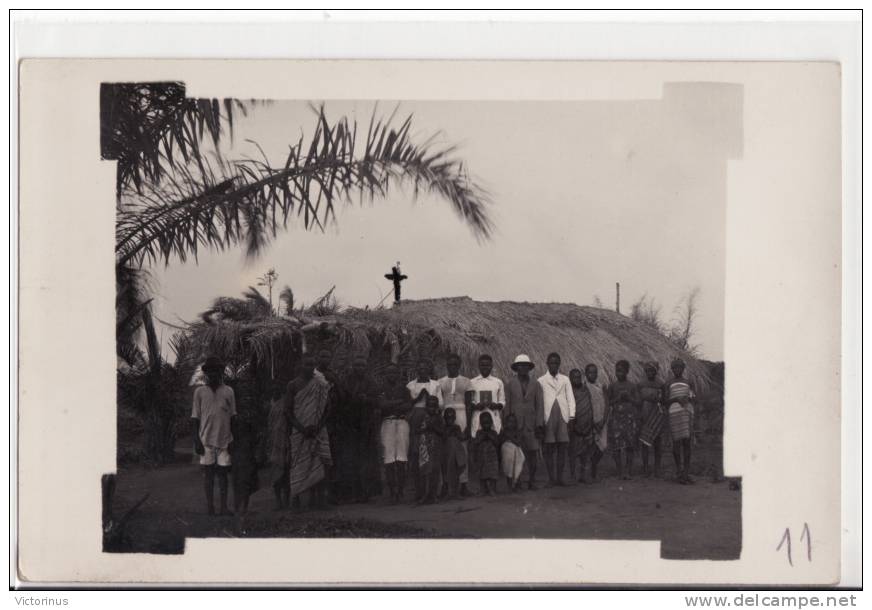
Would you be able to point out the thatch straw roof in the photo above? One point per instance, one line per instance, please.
(436, 327)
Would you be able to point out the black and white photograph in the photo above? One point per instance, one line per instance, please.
(421, 319)
(400, 323)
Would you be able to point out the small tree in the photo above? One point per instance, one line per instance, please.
(681, 329)
(684, 322)
(597, 301)
(647, 311)
(268, 279)
(287, 297)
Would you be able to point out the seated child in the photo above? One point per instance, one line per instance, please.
(510, 450)
(453, 454)
(485, 445)
(432, 433)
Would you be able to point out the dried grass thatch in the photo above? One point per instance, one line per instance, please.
(436, 327)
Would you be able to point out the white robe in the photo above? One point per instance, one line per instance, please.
(557, 389)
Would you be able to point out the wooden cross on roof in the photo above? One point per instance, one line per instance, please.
(396, 276)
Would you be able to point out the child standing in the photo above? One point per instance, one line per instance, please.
(432, 434)
(454, 453)
(678, 394)
(486, 443)
(622, 399)
(455, 388)
(512, 457)
(420, 389)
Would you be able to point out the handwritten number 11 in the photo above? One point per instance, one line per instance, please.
(785, 539)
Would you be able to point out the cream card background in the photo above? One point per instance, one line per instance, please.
(782, 347)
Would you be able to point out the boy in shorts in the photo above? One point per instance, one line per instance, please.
(214, 408)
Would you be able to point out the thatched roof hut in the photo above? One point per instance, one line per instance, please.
(437, 327)
(265, 349)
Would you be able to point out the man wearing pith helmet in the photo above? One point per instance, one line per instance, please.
(524, 401)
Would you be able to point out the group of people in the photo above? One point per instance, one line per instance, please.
(344, 439)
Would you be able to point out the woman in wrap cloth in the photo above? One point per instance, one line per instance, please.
(600, 412)
(652, 417)
(623, 399)
(307, 400)
(581, 433)
(678, 395)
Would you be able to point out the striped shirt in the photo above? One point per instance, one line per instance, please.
(679, 388)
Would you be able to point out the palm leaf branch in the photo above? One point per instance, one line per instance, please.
(198, 208)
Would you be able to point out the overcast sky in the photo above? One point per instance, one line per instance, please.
(585, 194)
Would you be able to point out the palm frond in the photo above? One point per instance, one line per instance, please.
(252, 307)
(132, 287)
(325, 305)
(187, 354)
(131, 354)
(150, 129)
(259, 303)
(287, 297)
(199, 208)
(226, 308)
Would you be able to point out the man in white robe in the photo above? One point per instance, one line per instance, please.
(559, 402)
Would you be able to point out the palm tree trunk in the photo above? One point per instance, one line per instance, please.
(154, 357)
(160, 435)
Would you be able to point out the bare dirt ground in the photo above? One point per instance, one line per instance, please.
(701, 521)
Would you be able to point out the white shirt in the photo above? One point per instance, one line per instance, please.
(557, 389)
(454, 391)
(214, 408)
(498, 395)
(491, 384)
(432, 388)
